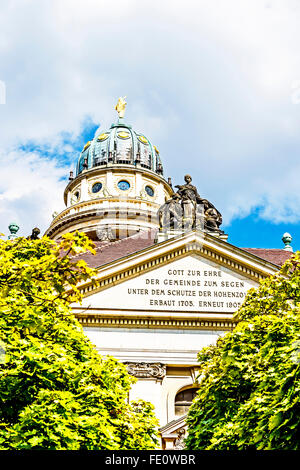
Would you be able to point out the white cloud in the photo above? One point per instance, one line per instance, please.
(211, 82)
(31, 190)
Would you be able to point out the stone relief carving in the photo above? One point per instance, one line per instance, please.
(105, 234)
(154, 370)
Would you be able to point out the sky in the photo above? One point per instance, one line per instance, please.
(214, 84)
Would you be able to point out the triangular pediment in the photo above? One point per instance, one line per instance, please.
(189, 283)
(175, 433)
(192, 273)
(173, 426)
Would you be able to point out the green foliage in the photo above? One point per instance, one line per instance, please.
(249, 396)
(56, 392)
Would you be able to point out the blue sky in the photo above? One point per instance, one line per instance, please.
(214, 84)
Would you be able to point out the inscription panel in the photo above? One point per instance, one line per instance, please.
(188, 284)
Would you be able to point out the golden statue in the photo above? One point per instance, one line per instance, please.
(120, 106)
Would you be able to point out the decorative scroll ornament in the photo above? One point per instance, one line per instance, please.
(144, 370)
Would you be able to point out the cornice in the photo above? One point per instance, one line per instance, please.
(63, 220)
(119, 318)
(207, 322)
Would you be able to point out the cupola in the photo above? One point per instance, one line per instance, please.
(119, 145)
(118, 185)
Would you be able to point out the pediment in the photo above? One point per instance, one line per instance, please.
(174, 433)
(190, 283)
(194, 273)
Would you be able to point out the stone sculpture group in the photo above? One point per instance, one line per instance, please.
(187, 210)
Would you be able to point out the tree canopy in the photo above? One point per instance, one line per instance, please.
(56, 392)
(249, 396)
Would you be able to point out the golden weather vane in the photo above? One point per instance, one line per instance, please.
(120, 106)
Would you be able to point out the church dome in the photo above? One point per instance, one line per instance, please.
(118, 187)
(119, 145)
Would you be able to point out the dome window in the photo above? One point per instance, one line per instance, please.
(86, 145)
(123, 185)
(145, 157)
(96, 187)
(149, 191)
(123, 135)
(123, 151)
(143, 139)
(102, 137)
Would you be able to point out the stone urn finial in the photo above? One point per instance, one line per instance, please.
(287, 238)
(13, 228)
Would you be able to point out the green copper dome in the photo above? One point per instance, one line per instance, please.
(119, 145)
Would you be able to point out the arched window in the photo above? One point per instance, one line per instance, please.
(183, 400)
